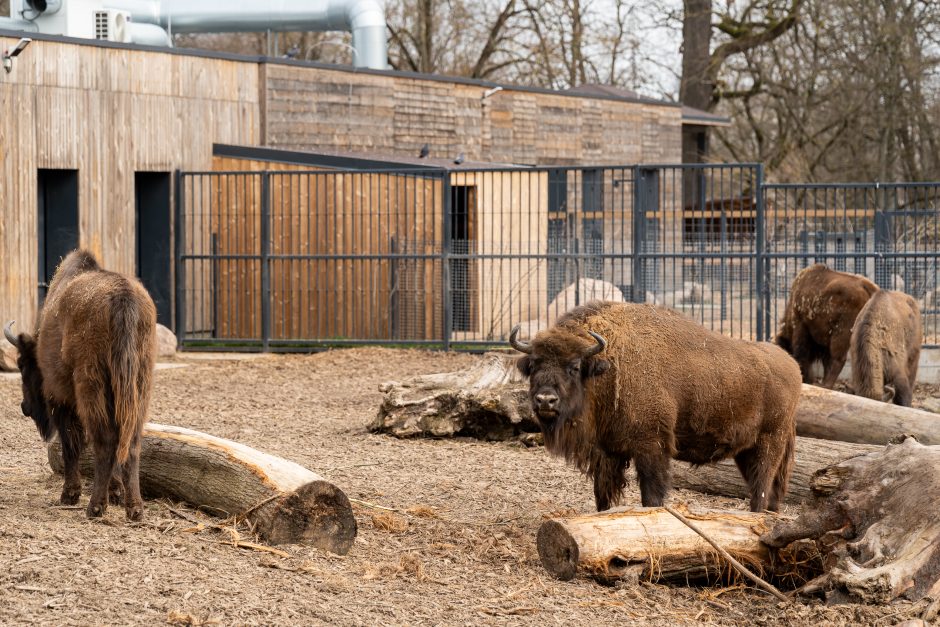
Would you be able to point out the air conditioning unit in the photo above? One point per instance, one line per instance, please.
(112, 25)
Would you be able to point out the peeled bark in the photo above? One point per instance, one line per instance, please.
(285, 502)
(876, 523)
(650, 543)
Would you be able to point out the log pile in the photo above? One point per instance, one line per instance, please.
(285, 502)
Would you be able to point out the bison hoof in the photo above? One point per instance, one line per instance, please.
(69, 497)
(135, 513)
(95, 511)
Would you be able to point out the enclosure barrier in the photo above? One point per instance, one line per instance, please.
(306, 259)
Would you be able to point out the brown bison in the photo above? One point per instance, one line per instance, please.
(817, 323)
(885, 347)
(88, 372)
(615, 382)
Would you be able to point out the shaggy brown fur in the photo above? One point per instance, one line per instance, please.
(885, 348)
(665, 387)
(817, 324)
(88, 372)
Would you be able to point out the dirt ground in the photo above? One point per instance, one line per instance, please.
(460, 549)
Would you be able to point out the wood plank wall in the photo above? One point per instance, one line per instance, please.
(107, 112)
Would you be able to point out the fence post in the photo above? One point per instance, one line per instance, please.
(180, 326)
(446, 286)
(761, 277)
(645, 198)
(265, 253)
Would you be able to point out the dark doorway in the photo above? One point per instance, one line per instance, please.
(57, 191)
(152, 195)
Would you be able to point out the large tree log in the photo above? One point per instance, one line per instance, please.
(875, 518)
(832, 415)
(489, 401)
(650, 543)
(285, 502)
(724, 478)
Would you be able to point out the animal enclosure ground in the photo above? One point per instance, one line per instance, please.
(458, 549)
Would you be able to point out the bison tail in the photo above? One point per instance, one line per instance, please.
(784, 470)
(868, 375)
(130, 369)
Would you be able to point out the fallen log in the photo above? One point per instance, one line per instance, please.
(653, 545)
(874, 520)
(832, 415)
(724, 478)
(489, 401)
(285, 502)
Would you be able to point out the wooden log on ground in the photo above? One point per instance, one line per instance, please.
(724, 478)
(876, 523)
(285, 502)
(832, 415)
(652, 544)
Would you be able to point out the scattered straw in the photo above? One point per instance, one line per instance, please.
(389, 522)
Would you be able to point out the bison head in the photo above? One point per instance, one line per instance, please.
(33, 404)
(557, 364)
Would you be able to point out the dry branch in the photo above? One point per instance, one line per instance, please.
(285, 502)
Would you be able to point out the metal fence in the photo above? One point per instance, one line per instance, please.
(298, 260)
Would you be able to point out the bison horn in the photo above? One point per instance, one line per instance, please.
(522, 347)
(8, 333)
(597, 348)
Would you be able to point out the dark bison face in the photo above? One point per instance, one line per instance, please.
(557, 368)
(33, 404)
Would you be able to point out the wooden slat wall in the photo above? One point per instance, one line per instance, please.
(107, 113)
(331, 213)
(325, 109)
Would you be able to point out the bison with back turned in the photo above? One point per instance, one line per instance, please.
(615, 383)
(88, 372)
(885, 348)
(817, 323)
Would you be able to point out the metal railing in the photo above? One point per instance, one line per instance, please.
(300, 260)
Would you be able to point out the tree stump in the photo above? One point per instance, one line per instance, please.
(875, 520)
(285, 502)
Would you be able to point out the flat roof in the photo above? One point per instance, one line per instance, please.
(213, 54)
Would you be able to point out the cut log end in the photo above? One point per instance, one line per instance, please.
(317, 514)
(558, 550)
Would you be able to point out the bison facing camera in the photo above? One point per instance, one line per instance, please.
(43, 6)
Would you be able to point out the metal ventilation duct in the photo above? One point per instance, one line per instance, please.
(365, 19)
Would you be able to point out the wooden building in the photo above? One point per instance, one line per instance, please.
(93, 132)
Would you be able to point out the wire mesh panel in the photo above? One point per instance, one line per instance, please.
(886, 232)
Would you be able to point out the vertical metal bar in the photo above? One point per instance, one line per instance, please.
(180, 326)
(445, 260)
(265, 270)
(761, 275)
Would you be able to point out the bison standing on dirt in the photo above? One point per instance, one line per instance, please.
(885, 347)
(88, 371)
(613, 382)
(817, 323)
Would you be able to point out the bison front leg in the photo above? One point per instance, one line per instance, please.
(72, 437)
(652, 472)
(610, 478)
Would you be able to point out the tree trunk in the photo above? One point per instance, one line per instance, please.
(285, 502)
(724, 478)
(695, 87)
(652, 544)
(876, 523)
(831, 415)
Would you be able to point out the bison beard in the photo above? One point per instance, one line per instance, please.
(886, 347)
(615, 383)
(88, 372)
(817, 323)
